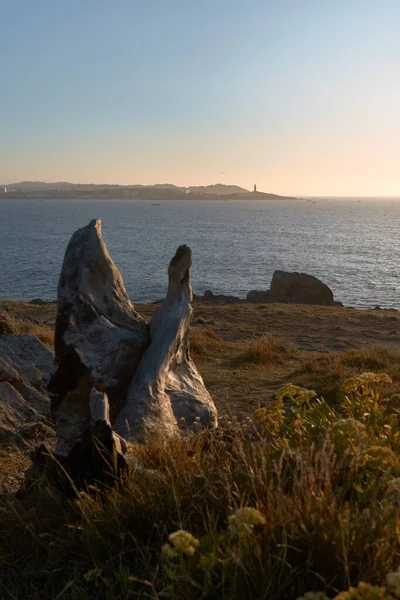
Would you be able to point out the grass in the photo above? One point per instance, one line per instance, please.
(263, 350)
(205, 342)
(319, 479)
(326, 372)
(14, 325)
(272, 509)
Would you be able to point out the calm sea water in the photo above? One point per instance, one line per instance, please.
(352, 246)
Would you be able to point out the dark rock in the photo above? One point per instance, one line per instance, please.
(377, 307)
(300, 288)
(209, 296)
(259, 296)
(37, 301)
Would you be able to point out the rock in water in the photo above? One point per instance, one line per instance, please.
(300, 288)
(167, 390)
(99, 338)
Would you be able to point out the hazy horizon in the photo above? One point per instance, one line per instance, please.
(301, 100)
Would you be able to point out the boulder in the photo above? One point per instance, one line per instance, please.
(209, 296)
(300, 288)
(258, 296)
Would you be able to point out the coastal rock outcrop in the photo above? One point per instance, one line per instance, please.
(300, 288)
(258, 296)
(296, 288)
(142, 373)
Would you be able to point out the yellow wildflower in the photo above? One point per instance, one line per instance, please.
(393, 491)
(393, 583)
(180, 542)
(347, 434)
(269, 418)
(245, 519)
(364, 591)
(381, 458)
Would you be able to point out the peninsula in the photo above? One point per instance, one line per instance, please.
(167, 191)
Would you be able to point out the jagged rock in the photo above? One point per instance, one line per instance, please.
(28, 356)
(9, 374)
(102, 344)
(258, 296)
(300, 288)
(209, 296)
(25, 364)
(167, 391)
(14, 412)
(99, 338)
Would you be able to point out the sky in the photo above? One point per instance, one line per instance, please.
(298, 96)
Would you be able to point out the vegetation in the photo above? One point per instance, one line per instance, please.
(13, 325)
(300, 502)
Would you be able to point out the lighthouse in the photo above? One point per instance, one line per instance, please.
(255, 188)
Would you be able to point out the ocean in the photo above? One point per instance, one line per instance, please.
(351, 245)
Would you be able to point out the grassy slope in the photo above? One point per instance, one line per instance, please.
(327, 517)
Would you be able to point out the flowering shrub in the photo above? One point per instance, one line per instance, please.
(347, 434)
(269, 418)
(245, 519)
(393, 583)
(181, 543)
(364, 591)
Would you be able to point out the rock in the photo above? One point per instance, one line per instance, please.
(377, 307)
(99, 338)
(9, 374)
(209, 296)
(258, 296)
(28, 356)
(37, 301)
(167, 390)
(102, 344)
(300, 288)
(14, 411)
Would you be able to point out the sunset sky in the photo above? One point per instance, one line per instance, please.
(298, 96)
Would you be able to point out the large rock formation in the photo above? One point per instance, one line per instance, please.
(300, 288)
(296, 288)
(104, 349)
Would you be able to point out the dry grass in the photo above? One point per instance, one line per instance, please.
(322, 522)
(325, 373)
(14, 325)
(205, 342)
(263, 350)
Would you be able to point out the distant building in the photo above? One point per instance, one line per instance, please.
(5, 189)
(255, 188)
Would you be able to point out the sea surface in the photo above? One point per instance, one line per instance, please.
(350, 244)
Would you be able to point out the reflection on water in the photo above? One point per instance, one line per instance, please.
(351, 246)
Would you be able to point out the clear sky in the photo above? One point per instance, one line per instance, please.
(298, 96)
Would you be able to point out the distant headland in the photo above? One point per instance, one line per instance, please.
(165, 191)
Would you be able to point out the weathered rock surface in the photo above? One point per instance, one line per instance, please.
(296, 288)
(14, 412)
(300, 288)
(103, 345)
(167, 390)
(25, 366)
(99, 337)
